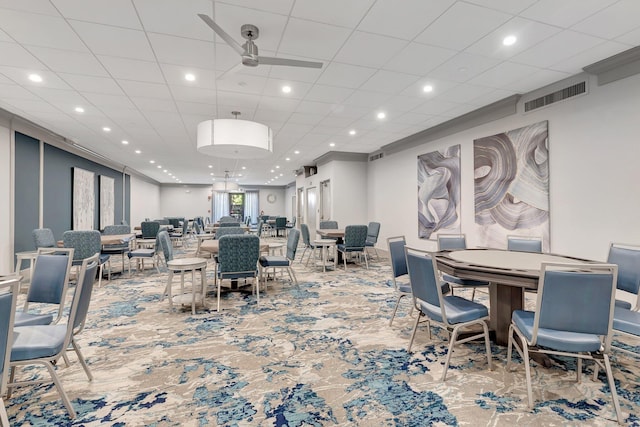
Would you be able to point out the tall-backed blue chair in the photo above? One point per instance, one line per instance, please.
(226, 231)
(238, 259)
(373, 230)
(141, 254)
(43, 238)
(447, 242)
(281, 225)
(233, 223)
(46, 344)
(306, 240)
(355, 237)
(281, 262)
(398, 261)
(117, 249)
(524, 244)
(328, 225)
(149, 229)
(86, 243)
(451, 312)
(49, 282)
(573, 317)
(627, 258)
(8, 295)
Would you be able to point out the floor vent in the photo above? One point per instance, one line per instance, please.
(376, 157)
(559, 95)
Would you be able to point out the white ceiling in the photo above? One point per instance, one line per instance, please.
(124, 62)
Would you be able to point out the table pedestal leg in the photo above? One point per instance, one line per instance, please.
(503, 300)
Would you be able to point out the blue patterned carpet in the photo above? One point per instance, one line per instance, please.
(317, 354)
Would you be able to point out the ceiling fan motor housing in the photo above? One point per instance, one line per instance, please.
(250, 55)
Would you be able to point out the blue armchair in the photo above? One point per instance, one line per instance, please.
(355, 237)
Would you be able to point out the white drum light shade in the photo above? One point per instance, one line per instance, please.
(234, 139)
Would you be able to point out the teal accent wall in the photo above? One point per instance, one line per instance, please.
(27, 183)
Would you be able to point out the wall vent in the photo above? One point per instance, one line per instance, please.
(376, 157)
(559, 95)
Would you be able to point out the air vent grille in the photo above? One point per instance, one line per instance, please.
(376, 157)
(556, 96)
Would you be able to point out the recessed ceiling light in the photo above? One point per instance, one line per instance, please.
(427, 88)
(296, 152)
(211, 174)
(138, 151)
(165, 171)
(277, 167)
(210, 166)
(170, 174)
(239, 174)
(288, 159)
(189, 77)
(381, 115)
(79, 110)
(286, 89)
(35, 78)
(152, 161)
(352, 132)
(281, 174)
(272, 171)
(509, 40)
(125, 142)
(332, 144)
(106, 129)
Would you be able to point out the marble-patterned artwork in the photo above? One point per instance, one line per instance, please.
(511, 182)
(439, 192)
(107, 203)
(83, 199)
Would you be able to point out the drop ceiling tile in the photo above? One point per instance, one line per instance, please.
(278, 103)
(40, 30)
(324, 11)
(273, 87)
(131, 69)
(185, 52)
(119, 13)
(401, 103)
(324, 93)
(14, 55)
(114, 41)
(470, 21)
(263, 115)
(175, 75)
(411, 118)
(555, 48)
(529, 33)
(351, 111)
(305, 119)
(176, 18)
(631, 38)
(389, 82)
(5, 80)
(509, 6)
(43, 7)
(270, 25)
(4, 37)
(313, 107)
(314, 39)
(194, 94)
(67, 61)
(466, 92)
(536, 80)
(419, 59)
(147, 90)
(275, 6)
(438, 87)
(564, 13)
(21, 76)
(243, 83)
(197, 108)
(503, 73)
(369, 50)
(462, 67)
(65, 100)
(247, 102)
(102, 100)
(575, 63)
(612, 22)
(436, 107)
(344, 75)
(155, 104)
(92, 84)
(35, 107)
(404, 19)
(336, 122)
(365, 98)
(11, 90)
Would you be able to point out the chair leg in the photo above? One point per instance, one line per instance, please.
(293, 276)
(4, 418)
(413, 334)
(452, 342)
(81, 358)
(579, 370)
(100, 276)
(527, 369)
(487, 344)
(366, 262)
(395, 309)
(509, 347)
(58, 384)
(612, 387)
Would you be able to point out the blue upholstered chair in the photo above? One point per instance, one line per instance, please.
(122, 248)
(398, 261)
(225, 231)
(627, 258)
(373, 230)
(281, 225)
(524, 244)
(46, 344)
(48, 287)
(238, 259)
(306, 240)
(86, 243)
(43, 238)
(573, 317)
(149, 229)
(233, 223)
(142, 254)
(451, 312)
(447, 242)
(226, 219)
(328, 225)
(292, 224)
(276, 262)
(355, 237)
(8, 295)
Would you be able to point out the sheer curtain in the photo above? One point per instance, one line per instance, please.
(251, 207)
(220, 205)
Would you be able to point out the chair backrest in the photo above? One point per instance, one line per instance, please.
(373, 230)
(85, 243)
(50, 279)
(627, 258)
(43, 238)
(524, 244)
(225, 231)
(238, 253)
(328, 225)
(162, 221)
(575, 298)
(281, 222)
(233, 223)
(174, 221)
(116, 229)
(149, 229)
(423, 274)
(292, 243)
(165, 244)
(397, 256)
(259, 229)
(247, 221)
(306, 239)
(293, 222)
(185, 226)
(8, 296)
(355, 236)
(87, 277)
(197, 226)
(224, 219)
(448, 242)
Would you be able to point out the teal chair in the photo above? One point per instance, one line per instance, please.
(448, 242)
(117, 249)
(281, 262)
(355, 237)
(524, 244)
(86, 243)
(306, 240)
(8, 295)
(238, 260)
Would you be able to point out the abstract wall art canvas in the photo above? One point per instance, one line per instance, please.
(83, 199)
(439, 192)
(107, 202)
(511, 185)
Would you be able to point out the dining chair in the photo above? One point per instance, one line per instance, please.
(281, 262)
(324, 225)
(306, 240)
(281, 225)
(225, 231)
(149, 229)
(122, 248)
(373, 230)
(46, 344)
(8, 295)
(453, 313)
(447, 242)
(398, 261)
(627, 258)
(573, 317)
(354, 240)
(238, 259)
(85, 244)
(233, 223)
(49, 283)
(524, 244)
(141, 254)
(43, 238)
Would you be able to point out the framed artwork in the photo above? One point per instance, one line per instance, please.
(511, 185)
(107, 203)
(83, 199)
(439, 192)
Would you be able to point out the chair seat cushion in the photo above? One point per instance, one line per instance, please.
(370, 244)
(463, 282)
(29, 319)
(104, 258)
(554, 339)
(342, 248)
(623, 304)
(457, 309)
(36, 342)
(626, 321)
(142, 253)
(273, 261)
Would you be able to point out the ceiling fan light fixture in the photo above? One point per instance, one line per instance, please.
(234, 139)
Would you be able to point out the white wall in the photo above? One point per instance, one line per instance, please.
(185, 201)
(275, 208)
(145, 200)
(594, 173)
(6, 224)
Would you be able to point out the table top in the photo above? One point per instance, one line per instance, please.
(324, 242)
(331, 232)
(188, 262)
(116, 239)
(213, 246)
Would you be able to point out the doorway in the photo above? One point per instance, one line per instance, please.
(311, 211)
(300, 206)
(325, 200)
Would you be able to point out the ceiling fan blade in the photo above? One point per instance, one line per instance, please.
(269, 60)
(222, 33)
(231, 71)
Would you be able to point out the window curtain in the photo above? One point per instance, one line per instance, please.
(220, 205)
(251, 207)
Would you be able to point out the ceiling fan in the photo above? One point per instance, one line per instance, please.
(249, 51)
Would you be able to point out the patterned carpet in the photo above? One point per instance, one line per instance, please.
(320, 353)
